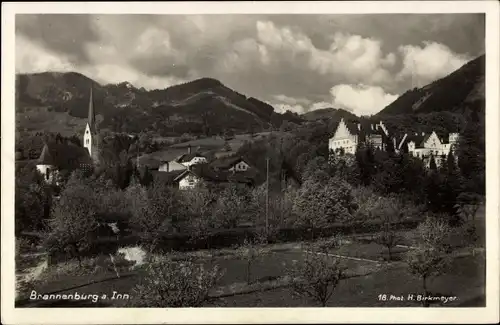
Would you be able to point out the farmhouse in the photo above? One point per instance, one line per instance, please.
(237, 164)
(349, 134)
(197, 173)
(188, 159)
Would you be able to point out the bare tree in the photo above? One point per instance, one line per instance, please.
(316, 276)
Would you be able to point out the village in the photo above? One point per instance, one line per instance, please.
(188, 169)
(368, 207)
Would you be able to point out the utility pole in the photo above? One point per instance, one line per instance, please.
(267, 196)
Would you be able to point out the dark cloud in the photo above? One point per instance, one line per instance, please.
(61, 33)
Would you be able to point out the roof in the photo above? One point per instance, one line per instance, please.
(227, 162)
(64, 155)
(188, 157)
(166, 177)
(365, 128)
(205, 172)
(91, 116)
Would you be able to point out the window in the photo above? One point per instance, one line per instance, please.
(47, 173)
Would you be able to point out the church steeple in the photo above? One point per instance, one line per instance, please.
(90, 137)
(91, 116)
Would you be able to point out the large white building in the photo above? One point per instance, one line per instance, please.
(349, 134)
(425, 146)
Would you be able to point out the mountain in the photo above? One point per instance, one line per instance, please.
(329, 113)
(460, 92)
(203, 106)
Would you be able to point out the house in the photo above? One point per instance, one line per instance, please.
(237, 164)
(349, 134)
(423, 146)
(197, 173)
(188, 159)
(57, 156)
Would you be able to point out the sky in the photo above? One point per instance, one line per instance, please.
(360, 63)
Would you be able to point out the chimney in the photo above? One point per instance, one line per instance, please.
(189, 149)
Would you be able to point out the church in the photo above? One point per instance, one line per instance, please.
(58, 156)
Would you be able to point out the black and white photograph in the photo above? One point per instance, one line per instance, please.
(251, 159)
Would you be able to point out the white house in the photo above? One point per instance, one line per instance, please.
(349, 134)
(188, 159)
(424, 146)
(236, 164)
(191, 177)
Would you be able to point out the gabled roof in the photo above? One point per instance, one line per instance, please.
(227, 162)
(205, 172)
(188, 157)
(64, 155)
(416, 138)
(363, 128)
(166, 177)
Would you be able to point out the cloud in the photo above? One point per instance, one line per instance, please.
(428, 63)
(283, 103)
(292, 100)
(350, 58)
(320, 105)
(65, 34)
(31, 57)
(361, 99)
(299, 57)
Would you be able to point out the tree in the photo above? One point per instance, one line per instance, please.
(250, 251)
(154, 212)
(33, 200)
(73, 223)
(365, 158)
(231, 207)
(200, 220)
(431, 255)
(169, 283)
(471, 153)
(389, 212)
(318, 204)
(316, 277)
(432, 163)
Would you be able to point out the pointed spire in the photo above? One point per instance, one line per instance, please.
(91, 117)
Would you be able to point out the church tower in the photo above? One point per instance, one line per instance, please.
(90, 137)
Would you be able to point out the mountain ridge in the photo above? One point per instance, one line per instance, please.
(459, 92)
(202, 105)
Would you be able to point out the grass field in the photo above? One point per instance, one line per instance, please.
(465, 280)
